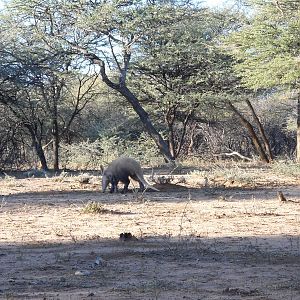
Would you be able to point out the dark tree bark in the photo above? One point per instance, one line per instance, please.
(37, 143)
(145, 119)
(185, 123)
(52, 94)
(55, 130)
(298, 129)
(257, 144)
(40, 153)
(170, 119)
(192, 139)
(261, 130)
(55, 134)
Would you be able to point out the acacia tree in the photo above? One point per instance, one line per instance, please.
(106, 34)
(64, 94)
(180, 68)
(268, 49)
(40, 88)
(16, 94)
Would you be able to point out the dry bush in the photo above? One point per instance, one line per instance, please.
(93, 207)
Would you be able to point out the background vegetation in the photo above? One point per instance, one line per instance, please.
(82, 82)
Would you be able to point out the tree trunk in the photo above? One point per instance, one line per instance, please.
(252, 133)
(171, 140)
(261, 130)
(191, 143)
(55, 145)
(169, 119)
(37, 143)
(41, 155)
(144, 117)
(185, 123)
(298, 129)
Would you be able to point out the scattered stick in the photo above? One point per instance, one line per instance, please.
(234, 153)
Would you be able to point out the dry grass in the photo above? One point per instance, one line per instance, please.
(217, 240)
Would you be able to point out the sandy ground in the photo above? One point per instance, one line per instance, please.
(225, 240)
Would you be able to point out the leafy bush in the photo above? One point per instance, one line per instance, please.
(286, 167)
(84, 155)
(90, 155)
(144, 150)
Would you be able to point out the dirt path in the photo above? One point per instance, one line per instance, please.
(192, 242)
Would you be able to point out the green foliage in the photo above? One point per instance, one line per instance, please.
(82, 155)
(182, 61)
(180, 71)
(91, 155)
(287, 168)
(144, 150)
(166, 52)
(268, 48)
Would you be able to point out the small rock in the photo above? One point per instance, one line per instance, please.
(99, 262)
(84, 179)
(82, 273)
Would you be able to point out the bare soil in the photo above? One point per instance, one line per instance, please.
(222, 240)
